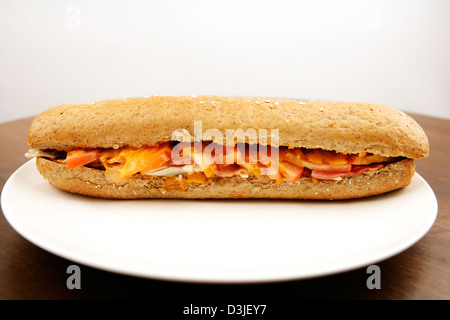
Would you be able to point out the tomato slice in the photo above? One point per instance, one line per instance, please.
(78, 158)
(158, 160)
(290, 171)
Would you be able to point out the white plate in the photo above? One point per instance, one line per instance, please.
(217, 241)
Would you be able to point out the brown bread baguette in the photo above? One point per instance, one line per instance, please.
(342, 127)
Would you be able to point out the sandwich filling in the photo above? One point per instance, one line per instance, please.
(200, 161)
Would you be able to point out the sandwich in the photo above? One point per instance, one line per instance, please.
(212, 147)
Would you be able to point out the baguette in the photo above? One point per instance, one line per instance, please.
(376, 144)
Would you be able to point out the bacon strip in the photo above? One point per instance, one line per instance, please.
(226, 171)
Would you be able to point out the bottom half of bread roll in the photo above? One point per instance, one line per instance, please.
(94, 182)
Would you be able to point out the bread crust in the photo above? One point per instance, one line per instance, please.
(347, 127)
(94, 183)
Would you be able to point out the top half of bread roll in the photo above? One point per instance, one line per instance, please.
(345, 127)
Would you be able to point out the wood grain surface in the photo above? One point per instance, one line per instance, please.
(420, 272)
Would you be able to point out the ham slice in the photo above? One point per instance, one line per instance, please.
(226, 171)
(354, 171)
(359, 169)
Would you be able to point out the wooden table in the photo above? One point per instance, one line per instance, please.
(420, 272)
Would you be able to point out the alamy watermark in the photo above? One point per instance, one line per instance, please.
(374, 280)
(238, 146)
(74, 280)
(73, 21)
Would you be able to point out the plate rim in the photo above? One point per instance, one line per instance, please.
(189, 279)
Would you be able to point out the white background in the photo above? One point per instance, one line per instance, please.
(389, 52)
